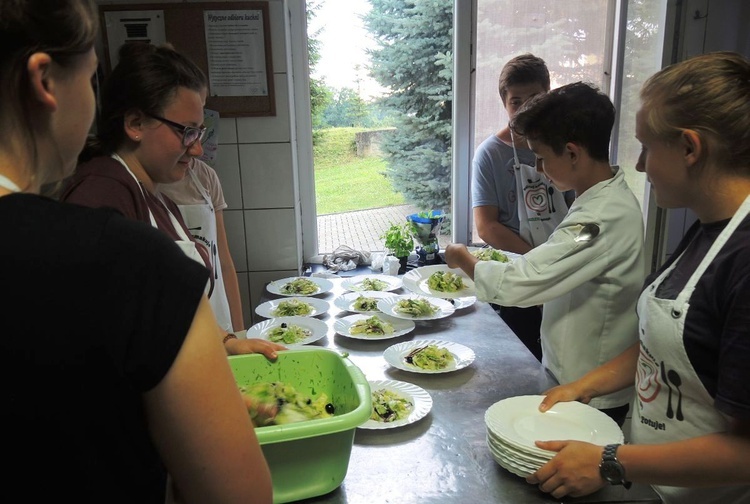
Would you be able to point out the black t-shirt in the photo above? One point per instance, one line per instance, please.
(96, 309)
(717, 325)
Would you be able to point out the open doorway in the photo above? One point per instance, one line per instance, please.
(380, 116)
(355, 201)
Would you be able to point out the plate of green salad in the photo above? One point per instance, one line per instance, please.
(396, 403)
(372, 327)
(487, 253)
(439, 281)
(293, 307)
(289, 331)
(382, 283)
(429, 356)
(300, 286)
(413, 307)
(361, 301)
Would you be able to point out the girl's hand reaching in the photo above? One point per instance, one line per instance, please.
(253, 345)
(563, 393)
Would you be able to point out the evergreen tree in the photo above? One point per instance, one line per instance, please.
(320, 95)
(414, 61)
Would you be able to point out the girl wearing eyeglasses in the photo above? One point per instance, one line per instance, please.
(149, 130)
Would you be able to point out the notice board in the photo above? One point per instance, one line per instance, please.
(229, 41)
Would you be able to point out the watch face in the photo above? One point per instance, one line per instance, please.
(612, 472)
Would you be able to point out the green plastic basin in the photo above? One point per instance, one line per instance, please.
(310, 458)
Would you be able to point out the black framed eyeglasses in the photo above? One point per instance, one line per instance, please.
(190, 134)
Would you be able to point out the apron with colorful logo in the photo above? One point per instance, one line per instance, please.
(541, 207)
(671, 403)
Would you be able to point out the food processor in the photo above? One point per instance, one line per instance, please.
(426, 226)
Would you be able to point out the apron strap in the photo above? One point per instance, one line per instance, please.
(175, 223)
(725, 234)
(201, 189)
(516, 162)
(116, 157)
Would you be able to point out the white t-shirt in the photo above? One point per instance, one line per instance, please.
(184, 192)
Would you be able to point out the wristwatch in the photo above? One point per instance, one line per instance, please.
(611, 469)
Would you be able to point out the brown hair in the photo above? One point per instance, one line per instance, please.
(66, 30)
(146, 78)
(523, 69)
(577, 112)
(709, 94)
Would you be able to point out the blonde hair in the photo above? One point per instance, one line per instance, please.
(709, 94)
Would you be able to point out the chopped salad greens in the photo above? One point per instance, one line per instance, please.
(373, 284)
(445, 281)
(490, 254)
(363, 303)
(416, 307)
(371, 326)
(388, 406)
(277, 403)
(430, 357)
(288, 334)
(292, 307)
(300, 286)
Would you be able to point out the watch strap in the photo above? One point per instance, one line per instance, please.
(609, 457)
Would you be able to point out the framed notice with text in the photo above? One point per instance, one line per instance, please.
(229, 41)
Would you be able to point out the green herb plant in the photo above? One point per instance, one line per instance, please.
(399, 239)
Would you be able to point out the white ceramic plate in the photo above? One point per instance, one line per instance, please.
(346, 301)
(355, 283)
(510, 465)
(517, 453)
(319, 306)
(510, 458)
(418, 396)
(395, 356)
(400, 326)
(388, 306)
(323, 286)
(518, 421)
(511, 255)
(317, 327)
(463, 302)
(416, 281)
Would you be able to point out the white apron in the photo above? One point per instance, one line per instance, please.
(9, 184)
(541, 207)
(671, 403)
(201, 222)
(188, 246)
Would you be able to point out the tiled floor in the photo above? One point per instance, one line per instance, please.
(362, 230)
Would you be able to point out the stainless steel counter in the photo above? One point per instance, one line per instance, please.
(443, 458)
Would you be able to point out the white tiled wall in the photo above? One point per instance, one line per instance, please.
(256, 169)
(256, 166)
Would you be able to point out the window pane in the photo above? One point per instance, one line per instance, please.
(571, 37)
(643, 56)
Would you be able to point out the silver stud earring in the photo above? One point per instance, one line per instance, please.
(137, 137)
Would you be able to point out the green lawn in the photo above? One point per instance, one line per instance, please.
(345, 182)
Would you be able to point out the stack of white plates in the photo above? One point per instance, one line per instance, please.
(514, 424)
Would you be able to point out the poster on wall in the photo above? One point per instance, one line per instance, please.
(229, 41)
(236, 52)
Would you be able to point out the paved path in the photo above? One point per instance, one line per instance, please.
(361, 230)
